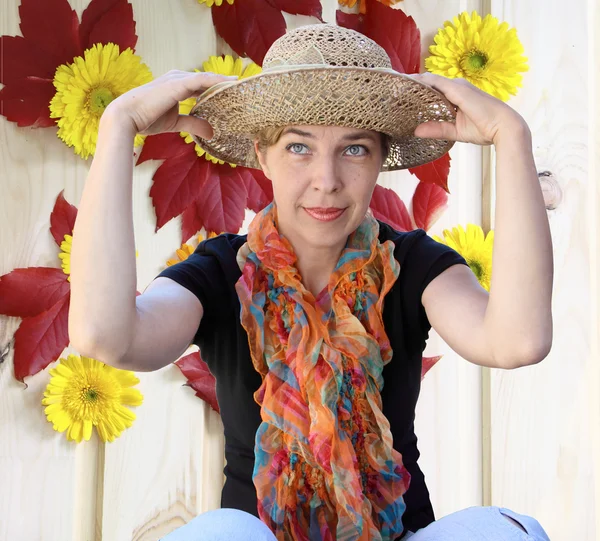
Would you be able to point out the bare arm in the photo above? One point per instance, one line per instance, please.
(512, 326)
(103, 271)
(106, 321)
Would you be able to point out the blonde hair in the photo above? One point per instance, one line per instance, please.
(270, 135)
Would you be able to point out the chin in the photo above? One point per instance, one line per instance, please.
(326, 235)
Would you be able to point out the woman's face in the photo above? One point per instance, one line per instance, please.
(323, 178)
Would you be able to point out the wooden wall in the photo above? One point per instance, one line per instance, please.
(527, 439)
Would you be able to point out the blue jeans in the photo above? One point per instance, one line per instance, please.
(471, 524)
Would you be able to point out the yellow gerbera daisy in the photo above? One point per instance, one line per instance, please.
(363, 4)
(483, 51)
(84, 393)
(209, 3)
(187, 250)
(475, 247)
(223, 66)
(87, 86)
(65, 255)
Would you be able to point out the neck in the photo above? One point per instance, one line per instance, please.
(315, 264)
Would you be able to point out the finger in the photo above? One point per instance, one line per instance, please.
(194, 125)
(196, 83)
(436, 130)
(455, 90)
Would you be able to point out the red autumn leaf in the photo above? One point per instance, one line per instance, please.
(163, 146)
(41, 339)
(52, 36)
(427, 364)
(249, 26)
(221, 200)
(199, 378)
(191, 223)
(176, 184)
(311, 8)
(391, 28)
(26, 102)
(209, 195)
(258, 187)
(435, 172)
(31, 291)
(354, 21)
(105, 21)
(52, 26)
(389, 208)
(21, 59)
(428, 203)
(62, 219)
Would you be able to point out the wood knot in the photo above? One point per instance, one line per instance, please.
(551, 189)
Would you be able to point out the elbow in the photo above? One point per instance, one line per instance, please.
(532, 354)
(93, 349)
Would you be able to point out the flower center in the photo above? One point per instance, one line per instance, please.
(477, 268)
(99, 99)
(89, 394)
(477, 60)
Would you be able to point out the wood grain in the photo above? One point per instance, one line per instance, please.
(527, 439)
(543, 461)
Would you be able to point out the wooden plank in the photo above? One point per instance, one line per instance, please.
(594, 226)
(35, 462)
(448, 417)
(37, 465)
(542, 430)
(168, 467)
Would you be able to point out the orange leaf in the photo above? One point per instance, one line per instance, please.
(41, 339)
(199, 378)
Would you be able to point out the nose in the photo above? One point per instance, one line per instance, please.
(326, 175)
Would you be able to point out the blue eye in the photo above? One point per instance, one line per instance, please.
(354, 150)
(297, 147)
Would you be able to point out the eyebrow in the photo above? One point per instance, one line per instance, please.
(350, 137)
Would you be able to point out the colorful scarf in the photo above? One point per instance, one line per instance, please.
(325, 468)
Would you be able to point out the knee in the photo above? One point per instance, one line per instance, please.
(479, 522)
(223, 524)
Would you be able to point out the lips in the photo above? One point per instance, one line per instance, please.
(324, 214)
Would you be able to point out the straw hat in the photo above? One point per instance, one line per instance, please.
(328, 75)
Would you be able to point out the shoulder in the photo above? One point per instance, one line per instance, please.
(403, 240)
(421, 257)
(222, 245)
(210, 270)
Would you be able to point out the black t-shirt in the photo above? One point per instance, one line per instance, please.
(211, 273)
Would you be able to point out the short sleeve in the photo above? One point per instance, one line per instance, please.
(424, 260)
(199, 273)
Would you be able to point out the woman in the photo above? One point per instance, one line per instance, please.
(291, 318)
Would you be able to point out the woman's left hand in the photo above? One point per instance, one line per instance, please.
(480, 118)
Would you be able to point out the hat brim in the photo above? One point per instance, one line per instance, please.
(377, 99)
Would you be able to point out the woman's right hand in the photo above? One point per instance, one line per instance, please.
(154, 107)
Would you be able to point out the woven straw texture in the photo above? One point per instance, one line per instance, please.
(324, 75)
